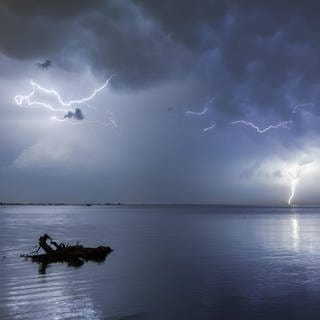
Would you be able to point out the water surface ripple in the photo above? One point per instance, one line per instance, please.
(168, 263)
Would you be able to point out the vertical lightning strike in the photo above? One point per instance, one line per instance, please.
(284, 124)
(295, 172)
(294, 183)
(294, 177)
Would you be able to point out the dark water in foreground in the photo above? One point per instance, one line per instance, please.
(168, 263)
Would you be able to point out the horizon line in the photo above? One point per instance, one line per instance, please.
(20, 203)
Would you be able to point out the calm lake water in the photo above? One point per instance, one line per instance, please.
(168, 263)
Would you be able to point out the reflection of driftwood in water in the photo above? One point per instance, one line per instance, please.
(74, 255)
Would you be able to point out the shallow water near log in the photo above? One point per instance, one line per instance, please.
(168, 263)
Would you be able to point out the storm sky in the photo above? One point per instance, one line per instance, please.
(208, 101)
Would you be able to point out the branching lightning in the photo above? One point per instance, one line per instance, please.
(209, 128)
(284, 124)
(302, 105)
(201, 113)
(71, 115)
(20, 99)
(204, 111)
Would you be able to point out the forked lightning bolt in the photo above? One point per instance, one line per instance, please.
(28, 99)
(284, 124)
(197, 113)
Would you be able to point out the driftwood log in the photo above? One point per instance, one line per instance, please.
(74, 255)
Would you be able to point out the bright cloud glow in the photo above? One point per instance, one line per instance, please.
(276, 171)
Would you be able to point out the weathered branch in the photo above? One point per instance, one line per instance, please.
(75, 255)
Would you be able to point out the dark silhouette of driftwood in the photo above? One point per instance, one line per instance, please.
(74, 255)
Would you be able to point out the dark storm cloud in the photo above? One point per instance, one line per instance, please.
(59, 9)
(30, 38)
(254, 56)
(44, 65)
(134, 46)
(76, 114)
(115, 37)
(184, 21)
(39, 29)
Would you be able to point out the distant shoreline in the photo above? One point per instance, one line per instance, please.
(157, 204)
